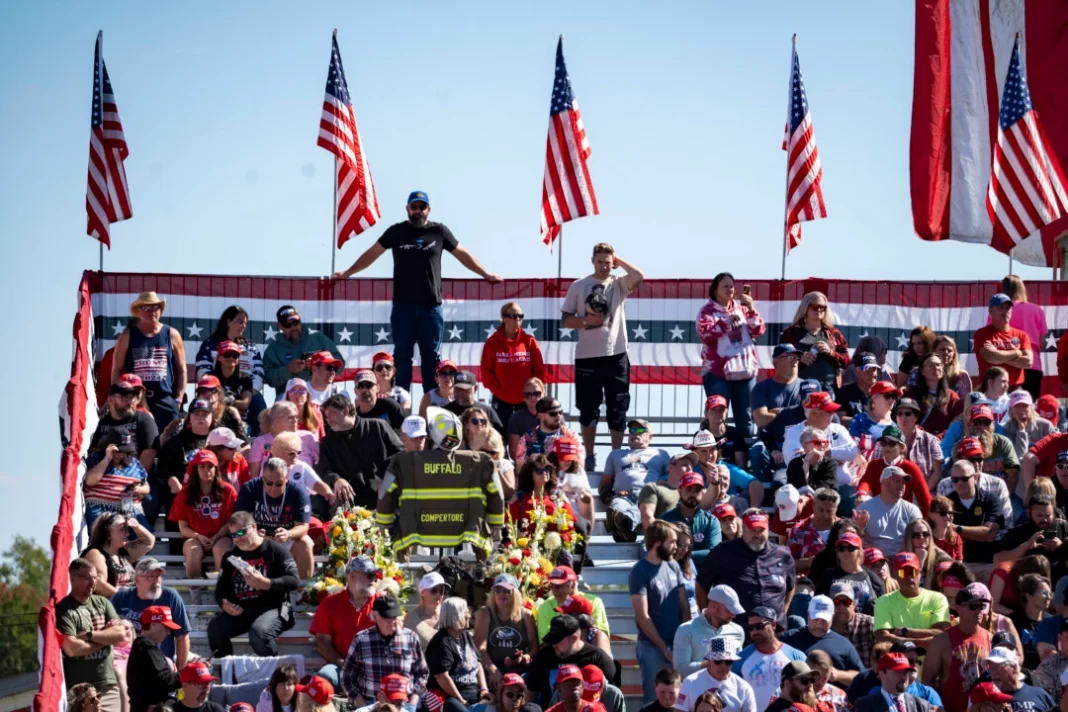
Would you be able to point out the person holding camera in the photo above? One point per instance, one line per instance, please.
(1043, 533)
(282, 512)
(291, 348)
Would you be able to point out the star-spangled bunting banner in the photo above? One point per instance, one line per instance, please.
(664, 348)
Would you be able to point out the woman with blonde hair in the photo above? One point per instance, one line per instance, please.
(1031, 319)
(309, 416)
(510, 356)
(505, 633)
(526, 418)
(946, 349)
(481, 437)
(823, 348)
(919, 539)
(281, 417)
(1024, 427)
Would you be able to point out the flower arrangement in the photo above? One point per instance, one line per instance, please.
(530, 548)
(350, 534)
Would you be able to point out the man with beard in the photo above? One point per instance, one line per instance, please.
(355, 452)
(703, 525)
(942, 666)
(1004, 668)
(122, 414)
(417, 316)
(594, 306)
(895, 671)
(1043, 533)
(340, 616)
(539, 439)
(563, 645)
(148, 590)
(736, 694)
(369, 404)
(819, 636)
(626, 472)
(658, 596)
(465, 391)
(999, 454)
(977, 518)
(760, 572)
(761, 663)
(196, 681)
(386, 648)
(289, 353)
(798, 682)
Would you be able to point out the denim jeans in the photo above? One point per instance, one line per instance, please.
(651, 661)
(262, 628)
(737, 394)
(422, 324)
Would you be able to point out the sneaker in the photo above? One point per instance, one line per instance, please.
(591, 463)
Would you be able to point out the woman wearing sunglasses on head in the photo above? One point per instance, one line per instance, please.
(510, 357)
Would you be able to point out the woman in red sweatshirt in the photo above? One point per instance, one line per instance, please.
(510, 356)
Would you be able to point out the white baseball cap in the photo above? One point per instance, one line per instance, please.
(431, 580)
(414, 426)
(821, 607)
(1003, 655)
(786, 500)
(727, 596)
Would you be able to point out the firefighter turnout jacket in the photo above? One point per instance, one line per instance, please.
(441, 498)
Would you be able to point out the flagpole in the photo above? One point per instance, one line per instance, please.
(333, 223)
(786, 201)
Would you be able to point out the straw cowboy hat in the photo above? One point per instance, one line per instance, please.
(145, 299)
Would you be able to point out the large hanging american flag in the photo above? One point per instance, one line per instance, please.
(1026, 189)
(107, 196)
(567, 191)
(661, 315)
(356, 202)
(804, 174)
(962, 55)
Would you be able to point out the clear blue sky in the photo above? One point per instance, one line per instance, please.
(684, 103)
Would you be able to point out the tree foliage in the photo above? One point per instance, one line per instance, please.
(24, 576)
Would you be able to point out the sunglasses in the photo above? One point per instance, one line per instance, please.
(274, 485)
(439, 590)
(757, 626)
(512, 695)
(1061, 466)
(818, 307)
(365, 386)
(978, 606)
(720, 663)
(230, 356)
(478, 421)
(532, 394)
(240, 533)
(842, 603)
(447, 374)
(148, 308)
(329, 367)
(514, 315)
(948, 515)
(542, 470)
(921, 535)
(418, 207)
(963, 478)
(131, 394)
(383, 367)
(907, 414)
(636, 431)
(806, 682)
(555, 413)
(983, 423)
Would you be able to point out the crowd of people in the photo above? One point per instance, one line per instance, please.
(885, 539)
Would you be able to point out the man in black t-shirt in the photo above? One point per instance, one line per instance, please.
(371, 405)
(977, 517)
(122, 415)
(563, 645)
(417, 315)
(465, 390)
(854, 397)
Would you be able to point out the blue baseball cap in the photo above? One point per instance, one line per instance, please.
(808, 386)
(782, 350)
(998, 300)
(418, 196)
(868, 360)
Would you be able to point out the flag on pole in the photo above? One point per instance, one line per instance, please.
(356, 202)
(804, 174)
(1026, 189)
(567, 191)
(107, 195)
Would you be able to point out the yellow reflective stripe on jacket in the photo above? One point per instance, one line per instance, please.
(434, 540)
(444, 493)
(495, 520)
(385, 519)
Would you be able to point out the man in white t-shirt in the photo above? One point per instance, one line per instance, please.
(735, 693)
(324, 369)
(883, 519)
(287, 447)
(594, 307)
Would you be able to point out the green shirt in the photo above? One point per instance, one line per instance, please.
(894, 611)
(545, 613)
(280, 352)
(74, 617)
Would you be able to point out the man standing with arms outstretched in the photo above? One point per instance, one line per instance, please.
(417, 316)
(594, 306)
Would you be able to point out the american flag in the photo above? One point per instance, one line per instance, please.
(357, 204)
(1026, 186)
(804, 194)
(567, 191)
(107, 197)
